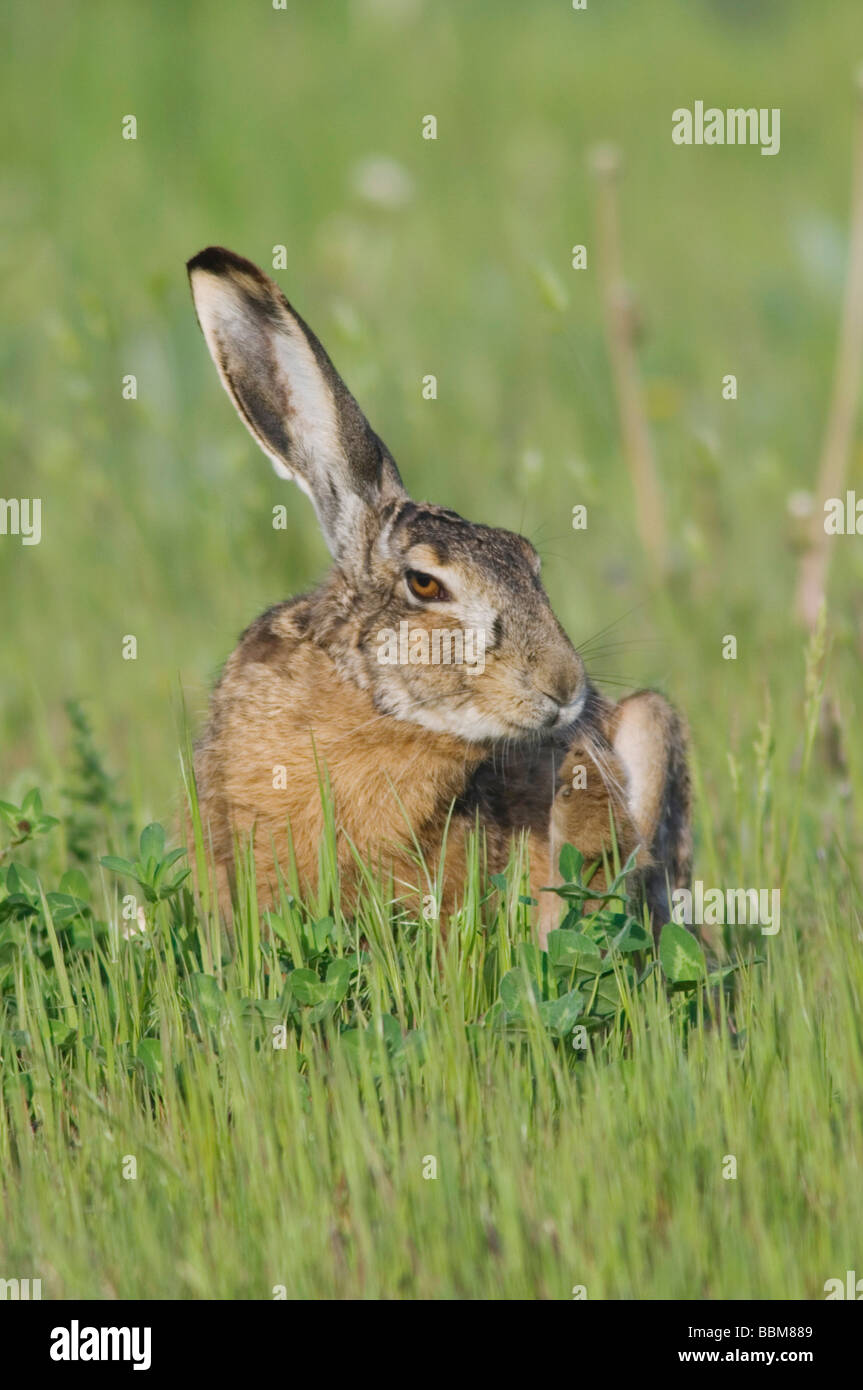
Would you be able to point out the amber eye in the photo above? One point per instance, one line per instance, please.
(425, 586)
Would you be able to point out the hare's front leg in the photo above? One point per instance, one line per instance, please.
(634, 769)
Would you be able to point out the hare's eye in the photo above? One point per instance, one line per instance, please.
(425, 586)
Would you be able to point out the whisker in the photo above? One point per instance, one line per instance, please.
(623, 644)
(612, 680)
(610, 625)
(599, 753)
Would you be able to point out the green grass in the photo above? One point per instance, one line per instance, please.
(304, 1166)
(307, 1165)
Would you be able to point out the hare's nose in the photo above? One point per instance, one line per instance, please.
(566, 684)
(569, 713)
(571, 709)
(552, 715)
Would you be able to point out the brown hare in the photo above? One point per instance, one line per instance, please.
(340, 688)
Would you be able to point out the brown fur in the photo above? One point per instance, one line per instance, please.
(637, 782)
(405, 749)
(281, 703)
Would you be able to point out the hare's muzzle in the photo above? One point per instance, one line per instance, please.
(564, 688)
(568, 713)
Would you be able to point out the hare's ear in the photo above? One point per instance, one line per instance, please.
(291, 398)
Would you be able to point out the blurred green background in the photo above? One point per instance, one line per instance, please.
(302, 127)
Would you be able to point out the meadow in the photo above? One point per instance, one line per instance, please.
(424, 1127)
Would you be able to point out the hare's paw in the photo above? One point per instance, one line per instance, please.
(635, 774)
(650, 742)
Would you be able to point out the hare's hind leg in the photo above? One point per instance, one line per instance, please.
(638, 776)
(650, 741)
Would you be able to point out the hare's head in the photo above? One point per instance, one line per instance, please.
(445, 622)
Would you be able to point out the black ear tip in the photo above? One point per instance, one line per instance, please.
(218, 260)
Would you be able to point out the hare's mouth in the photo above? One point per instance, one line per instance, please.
(552, 719)
(572, 710)
(559, 713)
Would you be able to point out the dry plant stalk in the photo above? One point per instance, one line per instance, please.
(812, 579)
(650, 518)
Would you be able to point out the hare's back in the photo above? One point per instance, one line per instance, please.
(262, 707)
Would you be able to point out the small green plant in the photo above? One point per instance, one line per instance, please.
(91, 792)
(596, 961)
(151, 870)
(588, 972)
(27, 821)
